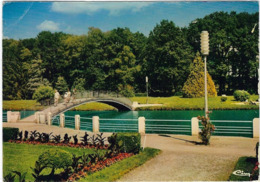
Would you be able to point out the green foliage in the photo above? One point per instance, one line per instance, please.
(194, 86)
(21, 175)
(241, 95)
(131, 142)
(223, 98)
(79, 84)
(61, 85)
(168, 56)
(43, 93)
(8, 133)
(127, 90)
(55, 158)
(207, 130)
(9, 177)
(233, 49)
(38, 167)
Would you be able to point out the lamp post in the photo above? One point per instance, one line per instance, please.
(146, 80)
(204, 40)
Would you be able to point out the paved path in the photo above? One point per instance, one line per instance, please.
(180, 160)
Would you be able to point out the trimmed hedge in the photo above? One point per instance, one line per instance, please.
(131, 142)
(241, 95)
(8, 133)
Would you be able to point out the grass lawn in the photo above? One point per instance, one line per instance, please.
(116, 171)
(179, 103)
(169, 103)
(245, 164)
(20, 157)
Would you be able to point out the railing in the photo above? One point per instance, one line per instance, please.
(161, 126)
(69, 122)
(118, 125)
(56, 120)
(86, 124)
(4, 116)
(232, 128)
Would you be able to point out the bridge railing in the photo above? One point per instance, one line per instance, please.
(103, 95)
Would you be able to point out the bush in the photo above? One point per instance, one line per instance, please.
(131, 142)
(207, 130)
(43, 93)
(241, 95)
(55, 159)
(223, 98)
(8, 133)
(126, 91)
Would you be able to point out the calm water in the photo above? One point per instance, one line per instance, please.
(187, 114)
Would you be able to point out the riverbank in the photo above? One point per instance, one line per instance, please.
(169, 103)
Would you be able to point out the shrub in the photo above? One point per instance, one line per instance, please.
(43, 93)
(241, 95)
(131, 142)
(223, 98)
(55, 159)
(126, 91)
(9, 133)
(207, 130)
(194, 86)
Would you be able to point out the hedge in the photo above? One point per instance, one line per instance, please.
(8, 133)
(131, 142)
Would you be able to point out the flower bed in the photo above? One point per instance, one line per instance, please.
(79, 166)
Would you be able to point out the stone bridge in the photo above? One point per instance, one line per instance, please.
(119, 102)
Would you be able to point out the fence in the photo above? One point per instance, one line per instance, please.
(4, 116)
(232, 128)
(168, 126)
(118, 125)
(156, 126)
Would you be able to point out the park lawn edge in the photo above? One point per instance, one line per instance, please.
(119, 169)
(169, 103)
(245, 164)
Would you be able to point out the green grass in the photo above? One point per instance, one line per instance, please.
(21, 157)
(117, 170)
(245, 164)
(179, 103)
(18, 105)
(169, 103)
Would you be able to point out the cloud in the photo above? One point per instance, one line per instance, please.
(114, 8)
(48, 25)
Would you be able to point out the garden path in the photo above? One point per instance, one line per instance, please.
(180, 160)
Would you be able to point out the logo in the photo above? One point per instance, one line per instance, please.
(241, 173)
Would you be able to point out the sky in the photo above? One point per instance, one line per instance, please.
(26, 19)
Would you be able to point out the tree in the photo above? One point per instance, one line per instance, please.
(43, 93)
(168, 56)
(79, 84)
(194, 86)
(61, 85)
(35, 71)
(232, 60)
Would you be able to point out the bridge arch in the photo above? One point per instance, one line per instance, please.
(112, 102)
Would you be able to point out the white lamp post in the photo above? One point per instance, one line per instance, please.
(146, 80)
(204, 40)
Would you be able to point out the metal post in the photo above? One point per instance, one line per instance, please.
(205, 84)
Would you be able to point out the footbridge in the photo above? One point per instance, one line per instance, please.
(118, 101)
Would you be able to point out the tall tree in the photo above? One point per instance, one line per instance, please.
(168, 57)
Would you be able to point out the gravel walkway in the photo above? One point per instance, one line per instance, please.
(181, 159)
